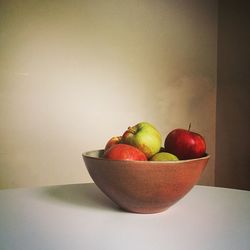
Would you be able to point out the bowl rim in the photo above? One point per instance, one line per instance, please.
(86, 154)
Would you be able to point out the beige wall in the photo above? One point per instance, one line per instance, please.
(75, 73)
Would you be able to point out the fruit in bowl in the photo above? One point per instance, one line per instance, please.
(143, 186)
(164, 156)
(112, 141)
(124, 152)
(145, 137)
(140, 175)
(185, 144)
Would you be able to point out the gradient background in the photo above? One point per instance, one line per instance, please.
(75, 73)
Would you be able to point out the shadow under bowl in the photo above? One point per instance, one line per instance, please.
(144, 186)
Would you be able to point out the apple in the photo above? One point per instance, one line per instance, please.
(163, 156)
(112, 141)
(124, 152)
(145, 137)
(185, 144)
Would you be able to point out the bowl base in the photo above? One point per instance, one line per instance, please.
(144, 210)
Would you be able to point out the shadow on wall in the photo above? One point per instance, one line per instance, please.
(233, 92)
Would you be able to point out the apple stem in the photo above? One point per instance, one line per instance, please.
(189, 127)
(131, 130)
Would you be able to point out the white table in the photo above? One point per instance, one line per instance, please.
(79, 216)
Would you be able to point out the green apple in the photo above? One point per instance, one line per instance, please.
(145, 137)
(163, 156)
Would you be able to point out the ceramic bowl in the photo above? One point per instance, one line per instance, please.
(144, 186)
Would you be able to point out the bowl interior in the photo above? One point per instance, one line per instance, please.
(98, 154)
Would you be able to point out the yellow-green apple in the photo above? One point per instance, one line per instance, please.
(163, 156)
(185, 144)
(124, 152)
(145, 137)
(112, 141)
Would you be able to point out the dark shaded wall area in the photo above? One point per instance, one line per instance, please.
(232, 168)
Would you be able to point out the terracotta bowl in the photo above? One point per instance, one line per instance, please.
(144, 186)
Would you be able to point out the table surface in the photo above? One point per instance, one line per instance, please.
(79, 216)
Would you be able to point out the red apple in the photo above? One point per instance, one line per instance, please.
(124, 152)
(112, 141)
(185, 144)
